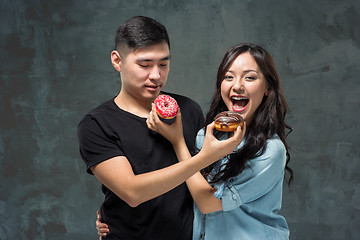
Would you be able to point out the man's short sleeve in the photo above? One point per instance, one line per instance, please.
(95, 145)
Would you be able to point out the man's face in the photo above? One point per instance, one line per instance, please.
(144, 72)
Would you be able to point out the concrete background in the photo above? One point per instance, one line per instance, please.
(55, 66)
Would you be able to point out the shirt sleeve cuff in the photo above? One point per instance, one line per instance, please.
(230, 198)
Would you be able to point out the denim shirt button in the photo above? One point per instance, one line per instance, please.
(231, 180)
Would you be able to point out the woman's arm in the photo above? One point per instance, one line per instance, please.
(201, 191)
(117, 174)
(102, 228)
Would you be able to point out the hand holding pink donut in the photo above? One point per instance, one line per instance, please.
(166, 106)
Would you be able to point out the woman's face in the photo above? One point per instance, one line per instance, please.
(244, 87)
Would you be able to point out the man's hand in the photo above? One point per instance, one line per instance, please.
(220, 148)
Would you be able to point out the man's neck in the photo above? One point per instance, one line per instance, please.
(134, 105)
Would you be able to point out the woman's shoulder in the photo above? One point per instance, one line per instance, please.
(275, 150)
(275, 143)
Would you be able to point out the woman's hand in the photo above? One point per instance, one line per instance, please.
(102, 228)
(173, 132)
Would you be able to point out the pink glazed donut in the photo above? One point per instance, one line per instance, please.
(166, 106)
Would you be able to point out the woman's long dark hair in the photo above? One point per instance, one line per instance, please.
(269, 117)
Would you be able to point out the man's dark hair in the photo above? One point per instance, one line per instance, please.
(140, 31)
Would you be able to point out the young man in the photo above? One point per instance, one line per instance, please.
(143, 182)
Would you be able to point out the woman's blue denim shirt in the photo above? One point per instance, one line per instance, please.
(250, 201)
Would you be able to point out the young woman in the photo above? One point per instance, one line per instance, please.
(239, 196)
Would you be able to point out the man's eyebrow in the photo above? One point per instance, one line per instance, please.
(150, 60)
(165, 58)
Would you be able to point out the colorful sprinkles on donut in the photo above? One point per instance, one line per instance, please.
(166, 106)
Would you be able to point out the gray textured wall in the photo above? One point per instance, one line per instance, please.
(55, 67)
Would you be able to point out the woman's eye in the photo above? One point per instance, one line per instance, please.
(143, 66)
(163, 65)
(227, 77)
(250, 78)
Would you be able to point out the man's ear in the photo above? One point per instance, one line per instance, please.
(116, 60)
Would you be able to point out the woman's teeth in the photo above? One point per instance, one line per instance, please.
(239, 98)
(239, 102)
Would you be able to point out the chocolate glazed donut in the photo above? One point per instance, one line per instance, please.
(228, 121)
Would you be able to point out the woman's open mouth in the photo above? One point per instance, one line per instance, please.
(239, 103)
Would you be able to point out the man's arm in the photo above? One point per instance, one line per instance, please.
(117, 174)
(201, 191)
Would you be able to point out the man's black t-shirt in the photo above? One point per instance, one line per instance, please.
(106, 132)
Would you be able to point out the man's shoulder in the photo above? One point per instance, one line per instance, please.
(103, 107)
(101, 111)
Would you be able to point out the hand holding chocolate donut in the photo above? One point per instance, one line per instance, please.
(228, 121)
